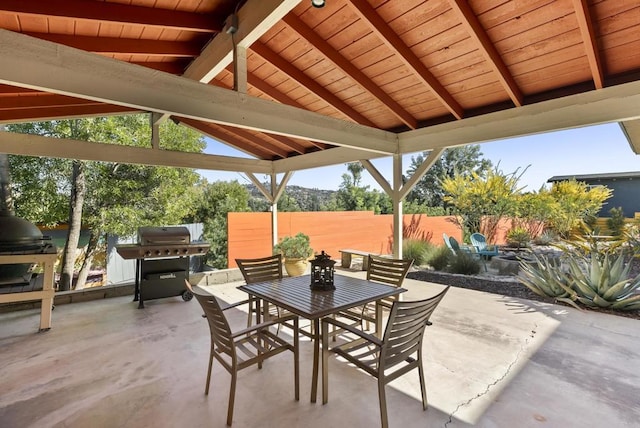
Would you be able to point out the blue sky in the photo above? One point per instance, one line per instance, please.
(590, 150)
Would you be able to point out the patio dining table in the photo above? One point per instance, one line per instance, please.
(295, 295)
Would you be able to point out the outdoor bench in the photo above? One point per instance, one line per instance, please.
(347, 254)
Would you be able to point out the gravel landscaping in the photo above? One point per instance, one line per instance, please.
(503, 285)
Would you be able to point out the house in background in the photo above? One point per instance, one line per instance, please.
(625, 188)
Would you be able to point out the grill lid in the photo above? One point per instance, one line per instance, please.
(150, 235)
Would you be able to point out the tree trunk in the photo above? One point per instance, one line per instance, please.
(92, 249)
(78, 190)
(6, 201)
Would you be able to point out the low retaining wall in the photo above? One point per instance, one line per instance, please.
(221, 276)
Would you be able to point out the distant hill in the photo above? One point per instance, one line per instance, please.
(308, 199)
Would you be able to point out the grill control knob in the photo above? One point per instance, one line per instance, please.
(167, 252)
(147, 253)
(186, 251)
(158, 252)
(176, 251)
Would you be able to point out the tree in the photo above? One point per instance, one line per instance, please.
(216, 201)
(120, 197)
(351, 196)
(481, 202)
(461, 161)
(574, 202)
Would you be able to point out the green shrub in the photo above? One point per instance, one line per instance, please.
(415, 249)
(615, 223)
(518, 237)
(464, 264)
(438, 257)
(546, 238)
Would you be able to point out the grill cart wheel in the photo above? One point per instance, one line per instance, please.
(187, 295)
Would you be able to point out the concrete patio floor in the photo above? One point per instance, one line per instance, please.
(490, 361)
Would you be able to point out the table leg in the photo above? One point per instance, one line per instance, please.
(316, 357)
(378, 318)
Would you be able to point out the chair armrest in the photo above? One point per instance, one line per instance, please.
(375, 340)
(235, 305)
(263, 325)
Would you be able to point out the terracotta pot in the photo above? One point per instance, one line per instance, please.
(295, 267)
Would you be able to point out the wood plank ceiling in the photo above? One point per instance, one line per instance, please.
(394, 65)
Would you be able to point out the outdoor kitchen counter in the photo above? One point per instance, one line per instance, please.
(45, 295)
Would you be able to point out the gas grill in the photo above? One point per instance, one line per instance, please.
(162, 261)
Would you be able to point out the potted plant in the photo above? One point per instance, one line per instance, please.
(296, 251)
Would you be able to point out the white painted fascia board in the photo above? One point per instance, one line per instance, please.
(35, 145)
(255, 18)
(37, 64)
(612, 104)
(631, 130)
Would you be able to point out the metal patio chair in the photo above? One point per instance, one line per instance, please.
(383, 270)
(398, 352)
(258, 270)
(244, 348)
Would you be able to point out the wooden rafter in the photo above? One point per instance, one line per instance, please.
(117, 13)
(40, 100)
(350, 70)
(590, 43)
(277, 95)
(255, 141)
(487, 48)
(115, 45)
(311, 85)
(286, 142)
(217, 133)
(386, 34)
(61, 112)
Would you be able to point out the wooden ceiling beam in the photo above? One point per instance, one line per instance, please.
(36, 145)
(487, 48)
(308, 83)
(588, 33)
(117, 13)
(38, 64)
(255, 18)
(115, 45)
(350, 70)
(387, 35)
(606, 105)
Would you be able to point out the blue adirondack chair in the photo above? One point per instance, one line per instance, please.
(456, 248)
(485, 250)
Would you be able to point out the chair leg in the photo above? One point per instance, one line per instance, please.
(206, 387)
(296, 358)
(423, 389)
(325, 362)
(232, 395)
(250, 316)
(383, 404)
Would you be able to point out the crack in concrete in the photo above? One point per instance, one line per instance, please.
(495, 382)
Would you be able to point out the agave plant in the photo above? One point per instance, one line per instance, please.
(545, 277)
(598, 282)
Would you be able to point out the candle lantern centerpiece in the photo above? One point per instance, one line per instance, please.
(322, 272)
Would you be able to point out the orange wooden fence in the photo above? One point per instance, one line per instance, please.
(250, 233)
